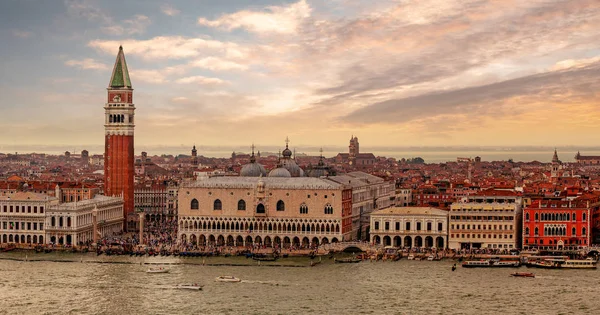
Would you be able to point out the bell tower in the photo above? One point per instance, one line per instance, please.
(118, 136)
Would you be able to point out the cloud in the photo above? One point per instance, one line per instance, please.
(169, 10)
(87, 64)
(136, 25)
(148, 76)
(276, 19)
(217, 64)
(84, 9)
(22, 34)
(165, 47)
(198, 79)
(574, 83)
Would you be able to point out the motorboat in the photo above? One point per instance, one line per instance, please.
(227, 279)
(431, 258)
(490, 263)
(523, 274)
(411, 257)
(157, 270)
(565, 264)
(190, 286)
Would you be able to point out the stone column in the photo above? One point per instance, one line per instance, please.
(141, 214)
(95, 225)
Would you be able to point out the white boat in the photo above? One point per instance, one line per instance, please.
(490, 263)
(430, 258)
(411, 257)
(227, 279)
(194, 286)
(565, 264)
(157, 270)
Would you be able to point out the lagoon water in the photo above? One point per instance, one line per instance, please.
(89, 285)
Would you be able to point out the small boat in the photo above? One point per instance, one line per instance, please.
(411, 257)
(157, 270)
(346, 260)
(227, 279)
(430, 258)
(523, 274)
(194, 286)
(490, 263)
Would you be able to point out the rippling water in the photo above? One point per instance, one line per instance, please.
(404, 287)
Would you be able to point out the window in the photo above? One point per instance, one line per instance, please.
(376, 225)
(573, 231)
(397, 226)
(387, 226)
(526, 231)
(328, 209)
(303, 209)
(218, 205)
(428, 226)
(536, 217)
(241, 205)
(194, 204)
(440, 226)
(583, 216)
(583, 232)
(280, 205)
(260, 208)
(408, 226)
(537, 231)
(418, 226)
(527, 216)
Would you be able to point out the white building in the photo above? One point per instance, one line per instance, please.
(403, 197)
(22, 217)
(410, 227)
(489, 219)
(73, 223)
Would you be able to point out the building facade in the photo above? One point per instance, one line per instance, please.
(152, 199)
(410, 227)
(22, 217)
(489, 219)
(369, 193)
(74, 223)
(557, 224)
(272, 211)
(118, 142)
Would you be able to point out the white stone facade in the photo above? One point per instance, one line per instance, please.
(73, 223)
(22, 217)
(407, 227)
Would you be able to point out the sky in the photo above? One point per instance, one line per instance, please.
(229, 73)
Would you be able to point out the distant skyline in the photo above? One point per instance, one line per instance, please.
(231, 73)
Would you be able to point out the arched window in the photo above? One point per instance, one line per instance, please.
(303, 209)
(260, 208)
(195, 205)
(328, 209)
(527, 216)
(537, 231)
(573, 231)
(527, 231)
(241, 205)
(583, 232)
(568, 216)
(110, 118)
(53, 223)
(217, 205)
(280, 205)
(583, 216)
(536, 217)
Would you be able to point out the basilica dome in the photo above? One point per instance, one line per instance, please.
(279, 172)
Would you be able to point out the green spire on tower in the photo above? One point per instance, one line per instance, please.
(120, 74)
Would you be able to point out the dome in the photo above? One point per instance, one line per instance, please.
(253, 170)
(292, 167)
(280, 172)
(287, 153)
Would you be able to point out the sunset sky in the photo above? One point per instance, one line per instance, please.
(392, 72)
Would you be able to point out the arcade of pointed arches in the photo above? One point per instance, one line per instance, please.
(243, 231)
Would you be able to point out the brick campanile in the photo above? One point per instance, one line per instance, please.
(118, 136)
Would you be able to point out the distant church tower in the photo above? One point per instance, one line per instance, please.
(353, 149)
(194, 156)
(118, 136)
(555, 166)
